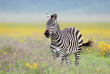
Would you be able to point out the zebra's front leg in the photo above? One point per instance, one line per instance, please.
(54, 53)
(77, 55)
(68, 61)
(63, 57)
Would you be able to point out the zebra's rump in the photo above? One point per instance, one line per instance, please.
(73, 39)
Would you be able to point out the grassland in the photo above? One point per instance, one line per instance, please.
(25, 50)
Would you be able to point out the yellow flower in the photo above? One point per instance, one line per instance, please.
(27, 64)
(5, 52)
(97, 42)
(106, 70)
(21, 40)
(31, 66)
(90, 50)
(98, 69)
(93, 38)
(100, 46)
(96, 53)
(35, 65)
(1, 50)
(14, 52)
(103, 53)
(41, 39)
(49, 41)
(83, 38)
(103, 57)
(89, 54)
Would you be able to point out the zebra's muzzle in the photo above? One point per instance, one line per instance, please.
(47, 34)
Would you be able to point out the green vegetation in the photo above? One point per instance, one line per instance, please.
(31, 54)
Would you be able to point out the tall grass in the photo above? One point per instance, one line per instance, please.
(31, 54)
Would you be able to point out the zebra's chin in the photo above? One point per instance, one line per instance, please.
(47, 36)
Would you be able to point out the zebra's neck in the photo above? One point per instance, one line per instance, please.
(55, 38)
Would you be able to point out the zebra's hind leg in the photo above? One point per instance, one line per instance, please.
(77, 55)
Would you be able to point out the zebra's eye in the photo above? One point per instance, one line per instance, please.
(53, 24)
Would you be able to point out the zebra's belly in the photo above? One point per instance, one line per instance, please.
(71, 51)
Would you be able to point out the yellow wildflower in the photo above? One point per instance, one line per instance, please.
(100, 46)
(93, 38)
(90, 50)
(99, 68)
(21, 40)
(35, 65)
(14, 52)
(1, 50)
(27, 64)
(83, 38)
(89, 54)
(5, 52)
(104, 48)
(97, 42)
(96, 53)
(106, 70)
(31, 66)
(103, 57)
(103, 53)
(49, 41)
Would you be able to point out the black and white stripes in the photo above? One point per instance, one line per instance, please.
(64, 43)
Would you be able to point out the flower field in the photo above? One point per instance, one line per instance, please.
(25, 50)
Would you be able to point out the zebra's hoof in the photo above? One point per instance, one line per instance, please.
(69, 64)
(76, 64)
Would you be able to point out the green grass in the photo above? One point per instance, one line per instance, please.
(35, 49)
(38, 51)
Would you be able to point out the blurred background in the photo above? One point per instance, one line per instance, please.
(28, 17)
(68, 11)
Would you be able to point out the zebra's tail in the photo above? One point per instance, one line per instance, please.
(89, 43)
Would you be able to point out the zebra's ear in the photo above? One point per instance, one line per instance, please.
(54, 16)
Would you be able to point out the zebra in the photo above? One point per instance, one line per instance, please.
(66, 42)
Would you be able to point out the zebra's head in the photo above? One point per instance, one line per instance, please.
(51, 26)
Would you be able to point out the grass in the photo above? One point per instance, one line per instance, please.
(30, 54)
